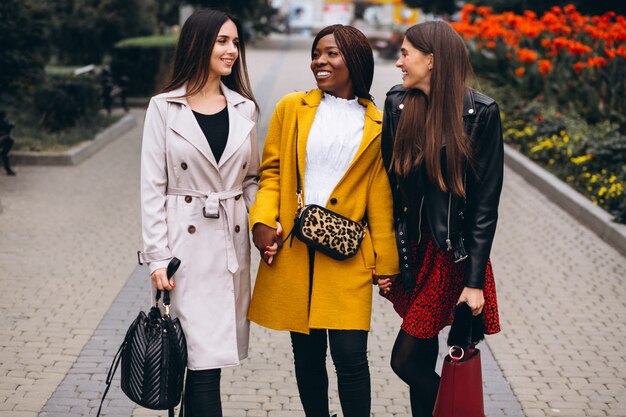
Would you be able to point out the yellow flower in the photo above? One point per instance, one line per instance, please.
(581, 159)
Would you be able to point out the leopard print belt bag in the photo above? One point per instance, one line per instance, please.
(328, 232)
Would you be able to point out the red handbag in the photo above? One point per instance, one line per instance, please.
(461, 386)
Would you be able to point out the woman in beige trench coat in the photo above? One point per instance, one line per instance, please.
(196, 191)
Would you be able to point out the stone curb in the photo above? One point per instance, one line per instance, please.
(79, 153)
(595, 218)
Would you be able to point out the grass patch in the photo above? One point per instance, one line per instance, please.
(29, 136)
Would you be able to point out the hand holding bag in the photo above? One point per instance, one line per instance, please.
(153, 356)
(324, 230)
(461, 387)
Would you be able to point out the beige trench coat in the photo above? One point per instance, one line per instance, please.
(197, 210)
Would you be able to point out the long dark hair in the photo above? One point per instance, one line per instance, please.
(357, 54)
(193, 54)
(426, 120)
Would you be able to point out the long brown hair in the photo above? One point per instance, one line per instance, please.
(357, 54)
(193, 54)
(426, 120)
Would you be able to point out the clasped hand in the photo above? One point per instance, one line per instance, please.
(267, 240)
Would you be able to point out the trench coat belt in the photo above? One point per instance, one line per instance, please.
(215, 200)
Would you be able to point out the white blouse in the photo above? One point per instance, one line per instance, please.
(333, 141)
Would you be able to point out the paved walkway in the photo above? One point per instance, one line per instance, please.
(68, 238)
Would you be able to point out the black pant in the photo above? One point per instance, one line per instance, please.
(6, 143)
(202, 393)
(414, 361)
(348, 349)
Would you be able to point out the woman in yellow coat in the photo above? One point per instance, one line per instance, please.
(318, 299)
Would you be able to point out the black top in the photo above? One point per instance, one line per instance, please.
(215, 129)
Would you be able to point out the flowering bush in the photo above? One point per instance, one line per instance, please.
(590, 158)
(560, 80)
(576, 62)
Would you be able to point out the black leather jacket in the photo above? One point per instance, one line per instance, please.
(466, 226)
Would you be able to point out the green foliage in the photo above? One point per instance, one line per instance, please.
(85, 30)
(166, 12)
(62, 101)
(440, 7)
(145, 61)
(23, 45)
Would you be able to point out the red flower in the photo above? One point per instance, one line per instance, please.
(526, 55)
(597, 61)
(520, 71)
(545, 66)
(579, 66)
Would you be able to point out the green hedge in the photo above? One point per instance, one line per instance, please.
(145, 61)
(61, 101)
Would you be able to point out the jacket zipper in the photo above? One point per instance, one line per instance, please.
(448, 242)
(419, 224)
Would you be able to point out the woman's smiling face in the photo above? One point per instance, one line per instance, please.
(330, 70)
(225, 50)
(416, 67)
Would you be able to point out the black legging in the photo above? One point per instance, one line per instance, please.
(348, 349)
(414, 361)
(202, 393)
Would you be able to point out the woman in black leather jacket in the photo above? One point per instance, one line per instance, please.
(442, 147)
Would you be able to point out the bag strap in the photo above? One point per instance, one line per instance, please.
(299, 188)
(298, 179)
(110, 374)
(172, 267)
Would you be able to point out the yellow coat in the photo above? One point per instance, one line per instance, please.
(341, 297)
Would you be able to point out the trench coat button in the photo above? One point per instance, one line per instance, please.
(187, 199)
(245, 164)
(238, 197)
(333, 200)
(405, 209)
(183, 165)
(237, 229)
(191, 229)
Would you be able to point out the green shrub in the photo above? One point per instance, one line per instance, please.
(61, 101)
(145, 61)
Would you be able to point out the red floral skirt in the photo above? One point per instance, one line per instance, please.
(428, 308)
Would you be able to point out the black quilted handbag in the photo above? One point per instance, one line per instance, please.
(153, 356)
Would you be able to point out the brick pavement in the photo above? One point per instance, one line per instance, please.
(562, 292)
(68, 235)
(68, 238)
